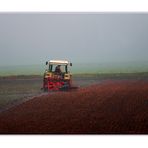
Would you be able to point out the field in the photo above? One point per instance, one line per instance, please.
(15, 89)
(104, 104)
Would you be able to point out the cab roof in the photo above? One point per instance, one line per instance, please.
(64, 62)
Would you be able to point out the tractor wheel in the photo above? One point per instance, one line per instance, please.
(45, 89)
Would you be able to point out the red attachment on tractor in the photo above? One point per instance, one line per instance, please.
(55, 84)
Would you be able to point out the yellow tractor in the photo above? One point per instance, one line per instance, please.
(57, 76)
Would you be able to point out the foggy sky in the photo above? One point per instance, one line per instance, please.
(34, 38)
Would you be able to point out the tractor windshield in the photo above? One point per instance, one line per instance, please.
(58, 68)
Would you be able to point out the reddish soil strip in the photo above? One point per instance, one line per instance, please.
(113, 107)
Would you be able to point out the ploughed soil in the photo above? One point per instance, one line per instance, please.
(110, 107)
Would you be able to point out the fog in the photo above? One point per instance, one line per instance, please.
(33, 38)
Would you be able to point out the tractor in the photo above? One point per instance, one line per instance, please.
(57, 76)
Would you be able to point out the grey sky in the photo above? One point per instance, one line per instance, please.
(35, 38)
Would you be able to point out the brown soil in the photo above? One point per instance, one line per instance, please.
(112, 107)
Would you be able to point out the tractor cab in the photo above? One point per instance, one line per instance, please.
(57, 75)
(54, 65)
